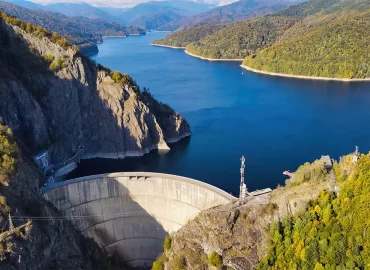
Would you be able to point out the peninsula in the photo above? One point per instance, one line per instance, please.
(300, 41)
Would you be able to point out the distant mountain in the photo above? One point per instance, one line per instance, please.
(238, 11)
(116, 12)
(80, 9)
(24, 3)
(152, 15)
(78, 30)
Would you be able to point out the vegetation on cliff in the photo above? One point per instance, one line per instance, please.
(8, 154)
(36, 30)
(305, 225)
(331, 233)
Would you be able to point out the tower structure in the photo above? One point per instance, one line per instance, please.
(243, 186)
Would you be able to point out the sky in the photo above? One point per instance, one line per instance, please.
(120, 3)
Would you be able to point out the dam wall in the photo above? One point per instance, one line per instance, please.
(129, 214)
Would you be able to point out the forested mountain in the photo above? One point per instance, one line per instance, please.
(80, 10)
(323, 38)
(156, 19)
(189, 35)
(78, 30)
(334, 46)
(241, 39)
(238, 11)
(154, 14)
(25, 3)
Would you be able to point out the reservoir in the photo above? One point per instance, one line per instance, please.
(277, 123)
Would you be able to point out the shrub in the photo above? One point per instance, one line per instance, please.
(57, 65)
(3, 201)
(167, 243)
(215, 260)
(48, 57)
(179, 263)
(8, 154)
(157, 266)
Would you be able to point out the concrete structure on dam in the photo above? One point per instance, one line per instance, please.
(129, 214)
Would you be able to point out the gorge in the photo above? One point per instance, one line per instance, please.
(115, 212)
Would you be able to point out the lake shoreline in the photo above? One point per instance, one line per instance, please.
(108, 37)
(302, 76)
(166, 46)
(213, 59)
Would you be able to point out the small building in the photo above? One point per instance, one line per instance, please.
(43, 160)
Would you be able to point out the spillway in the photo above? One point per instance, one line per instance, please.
(129, 214)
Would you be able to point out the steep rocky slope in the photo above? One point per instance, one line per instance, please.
(52, 97)
(56, 99)
(48, 241)
(238, 233)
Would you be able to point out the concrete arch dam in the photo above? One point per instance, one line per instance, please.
(129, 214)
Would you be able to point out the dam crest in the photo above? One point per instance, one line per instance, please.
(129, 214)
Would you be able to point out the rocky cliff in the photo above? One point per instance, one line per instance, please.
(237, 236)
(54, 98)
(48, 241)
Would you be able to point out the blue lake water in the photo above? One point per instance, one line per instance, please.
(277, 123)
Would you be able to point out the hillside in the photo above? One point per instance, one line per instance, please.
(241, 39)
(189, 35)
(49, 232)
(79, 10)
(335, 49)
(300, 40)
(53, 98)
(79, 30)
(238, 11)
(154, 20)
(304, 225)
(154, 14)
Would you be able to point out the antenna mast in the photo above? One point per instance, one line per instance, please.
(243, 186)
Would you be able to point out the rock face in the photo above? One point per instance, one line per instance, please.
(239, 233)
(52, 242)
(77, 104)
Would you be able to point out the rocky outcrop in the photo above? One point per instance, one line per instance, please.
(77, 104)
(238, 232)
(237, 235)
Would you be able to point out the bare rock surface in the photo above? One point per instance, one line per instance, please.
(78, 104)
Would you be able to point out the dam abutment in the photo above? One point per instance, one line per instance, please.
(129, 214)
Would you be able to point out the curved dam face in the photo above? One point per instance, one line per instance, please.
(129, 214)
